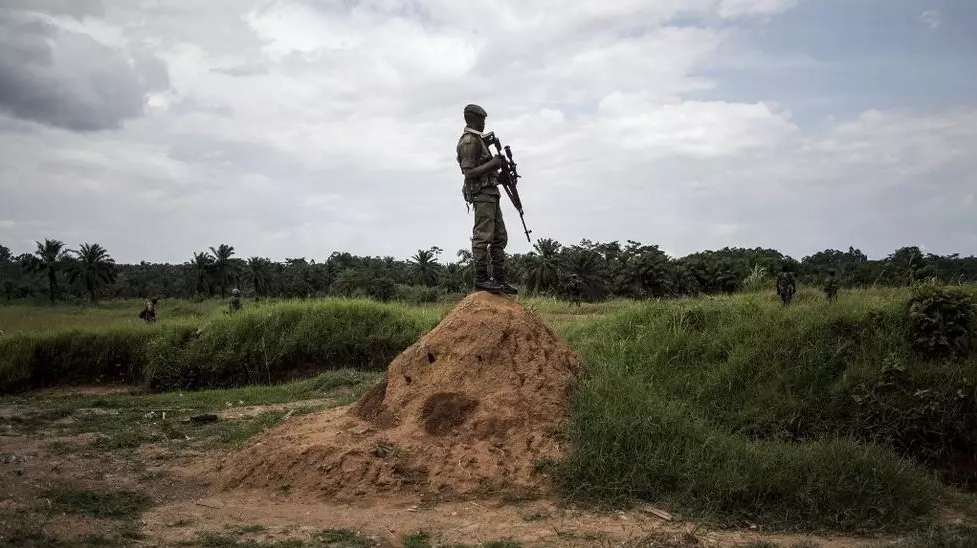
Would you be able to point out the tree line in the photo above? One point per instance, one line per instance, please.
(588, 271)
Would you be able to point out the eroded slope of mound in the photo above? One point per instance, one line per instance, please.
(471, 406)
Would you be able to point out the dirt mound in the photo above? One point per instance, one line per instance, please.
(468, 408)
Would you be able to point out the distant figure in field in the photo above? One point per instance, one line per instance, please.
(786, 287)
(575, 289)
(235, 303)
(149, 312)
(831, 286)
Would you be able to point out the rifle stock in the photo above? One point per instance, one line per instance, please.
(508, 177)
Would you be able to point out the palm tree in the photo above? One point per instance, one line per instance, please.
(424, 266)
(582, 270)
(544, 270)
(466, 262)
(258, 267)
(202, 268)
(95, 268)
(48, 258)
(222, 265)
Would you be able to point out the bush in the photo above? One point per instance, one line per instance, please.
(273, 342)
(941, 321)
(743, 395)
(258, 345)
(417, 294)
(627, 442)
(73, 356)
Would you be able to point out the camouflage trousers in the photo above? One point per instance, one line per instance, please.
(489, 238)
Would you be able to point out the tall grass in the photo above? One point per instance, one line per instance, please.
(266, 344)
(259, 345)
(743, 409)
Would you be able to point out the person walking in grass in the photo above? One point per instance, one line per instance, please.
(831, 286)
(149, 311)
(786, 286)
(235, 303)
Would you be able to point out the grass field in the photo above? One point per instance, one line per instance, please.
(730, 410)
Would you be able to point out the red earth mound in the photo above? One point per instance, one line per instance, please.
(469, 408)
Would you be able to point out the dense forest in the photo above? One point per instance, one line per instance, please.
(589, 271)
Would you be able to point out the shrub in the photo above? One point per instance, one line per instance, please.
(740, 407)
(73, 356)
(258, 345)
(274, 342)
(941, 321)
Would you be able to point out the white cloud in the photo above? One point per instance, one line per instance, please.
(296, 128)
(732, 9)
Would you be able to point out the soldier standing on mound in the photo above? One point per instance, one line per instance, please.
(785, 285)
(480, 189)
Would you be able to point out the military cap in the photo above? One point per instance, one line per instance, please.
(475, 109)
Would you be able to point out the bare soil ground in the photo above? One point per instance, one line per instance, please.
(78, 471)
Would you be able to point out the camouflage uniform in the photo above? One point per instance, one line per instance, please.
(489, 236)
(786, 286)
(575, 288)
(831, 286)
(149, 312)
(235, 303)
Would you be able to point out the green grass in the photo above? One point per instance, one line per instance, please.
(815, 416)
(125, 422)
(17, 319)
(260, 345)
(820, 416)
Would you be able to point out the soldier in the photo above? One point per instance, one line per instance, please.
(576, 289)
(149, 311)
(480, 189)
(831, 286)
(785, 285)
(235, 303)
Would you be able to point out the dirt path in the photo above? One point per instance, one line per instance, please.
(49, 474)
(387, 521)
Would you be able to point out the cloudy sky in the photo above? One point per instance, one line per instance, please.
(294, 128)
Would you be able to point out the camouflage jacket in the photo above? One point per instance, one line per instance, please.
(830, 284)
(471, 153)
(785, 283)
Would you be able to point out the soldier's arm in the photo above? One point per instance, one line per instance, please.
(478, 171)
(468, 157)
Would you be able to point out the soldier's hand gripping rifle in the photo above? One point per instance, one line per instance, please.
(508, 176)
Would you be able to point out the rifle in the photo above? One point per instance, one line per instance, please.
(508, 176)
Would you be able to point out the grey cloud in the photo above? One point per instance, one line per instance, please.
(68, 79)
(242, 70)
(75, 8)
(192, 104)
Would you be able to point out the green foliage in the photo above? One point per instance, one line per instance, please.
(757, 279)
(589, 271)
(265, 345)
(414, 294)
(74, 356)
(257, 345)
(738, 408)
(941, 321)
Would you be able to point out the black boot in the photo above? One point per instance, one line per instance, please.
(500, 278)
(484, 283)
